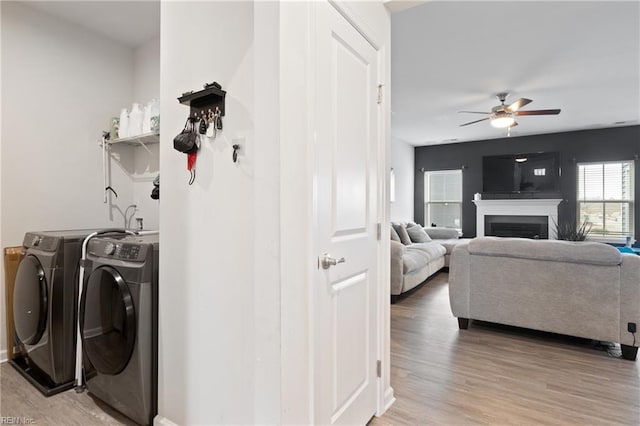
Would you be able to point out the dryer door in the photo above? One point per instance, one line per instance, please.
(30, 301)
(107, 321)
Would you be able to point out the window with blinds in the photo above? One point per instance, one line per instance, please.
(606, 198)
(443, 198)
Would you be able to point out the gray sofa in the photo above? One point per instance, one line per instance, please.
(413, 261)
(583, 289)
(446, 237)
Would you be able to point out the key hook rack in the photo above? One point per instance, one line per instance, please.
(205, 101)
(207, 105)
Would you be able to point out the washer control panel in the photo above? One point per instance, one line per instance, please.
(41, 242)
(118, 250)
(109, 248)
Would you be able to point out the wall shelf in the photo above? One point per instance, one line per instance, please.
(204, 100)
(144, 139)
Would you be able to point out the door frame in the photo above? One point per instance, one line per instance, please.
(298, 173)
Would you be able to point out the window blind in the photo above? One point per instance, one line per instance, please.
(443, 198)
(606, 198)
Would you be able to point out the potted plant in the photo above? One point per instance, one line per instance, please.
(570, 231)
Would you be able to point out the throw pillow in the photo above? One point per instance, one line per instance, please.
(394, 234)
(438, 233)
(412, 224)
(418, 235)
(401, 229)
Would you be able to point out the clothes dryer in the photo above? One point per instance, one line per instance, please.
(45, 301)
(119, 324)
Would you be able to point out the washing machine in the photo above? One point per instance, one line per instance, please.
(45, 308)
(119, 324)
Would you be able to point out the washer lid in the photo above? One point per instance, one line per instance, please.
(30, 301)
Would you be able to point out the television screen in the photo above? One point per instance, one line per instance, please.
(537, 172)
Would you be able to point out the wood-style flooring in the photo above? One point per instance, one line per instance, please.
(18, 399)
(487, 374)
(500, 375)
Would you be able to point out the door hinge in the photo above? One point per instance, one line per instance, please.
(379, 368)
(379, 231)
(380, 93)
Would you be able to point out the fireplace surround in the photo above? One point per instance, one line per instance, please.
(547, 208)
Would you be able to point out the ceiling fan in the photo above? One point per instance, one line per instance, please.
(502, 115)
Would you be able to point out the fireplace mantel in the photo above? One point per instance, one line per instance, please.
(518, 207)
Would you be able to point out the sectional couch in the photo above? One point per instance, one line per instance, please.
(582, 289)
(417, 253)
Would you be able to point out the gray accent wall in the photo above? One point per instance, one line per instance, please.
(611, 144)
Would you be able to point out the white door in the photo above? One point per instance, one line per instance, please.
(346, 211)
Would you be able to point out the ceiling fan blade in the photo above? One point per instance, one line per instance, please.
(539, 112)
(472, 122)
(473, 112)
(518, 104)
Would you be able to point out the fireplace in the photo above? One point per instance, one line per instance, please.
(519, 208)
(535, 227)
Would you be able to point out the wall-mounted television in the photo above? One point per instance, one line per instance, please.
(518, 173)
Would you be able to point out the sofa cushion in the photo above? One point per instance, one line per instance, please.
(418, 235)
(430, 250)
(550, 250)
(452, 243)
(439, 233)
(412, 261)
(394, 234)
(401, 229)
(417, 256)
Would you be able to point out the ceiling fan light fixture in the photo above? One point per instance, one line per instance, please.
(503, 116)
(503, 120)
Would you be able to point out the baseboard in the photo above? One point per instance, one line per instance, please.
(163, 421)
(388, 401)
(3, 356)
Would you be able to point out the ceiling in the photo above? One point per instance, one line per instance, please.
(132, 23)
(448, 56)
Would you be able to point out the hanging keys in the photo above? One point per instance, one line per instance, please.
(210, 124)
(202, 129)
(218, 119)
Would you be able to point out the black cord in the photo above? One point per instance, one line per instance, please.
(193, 176)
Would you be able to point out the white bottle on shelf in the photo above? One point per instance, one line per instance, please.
(135, 120)
(146, 119)
(123, 129)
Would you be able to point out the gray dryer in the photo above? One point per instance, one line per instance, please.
(45, 304)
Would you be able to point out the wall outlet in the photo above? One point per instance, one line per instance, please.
(631, 327)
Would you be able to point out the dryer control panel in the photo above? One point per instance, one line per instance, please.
(41, 242)
(115, 249)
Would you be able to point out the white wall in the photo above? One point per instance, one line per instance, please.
(402, 162)
(295, 88)
(61, 84)
(146, 86)
(146, 71)
(219, 266)
(268, 268)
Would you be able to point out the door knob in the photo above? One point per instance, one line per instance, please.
(326, 261)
